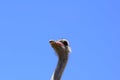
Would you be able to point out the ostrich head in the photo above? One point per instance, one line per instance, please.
(61, 47)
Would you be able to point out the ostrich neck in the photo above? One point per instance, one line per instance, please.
(62, 61)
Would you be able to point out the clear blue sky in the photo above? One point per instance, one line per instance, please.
(91, 26)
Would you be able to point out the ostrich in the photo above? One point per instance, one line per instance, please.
(62, 50)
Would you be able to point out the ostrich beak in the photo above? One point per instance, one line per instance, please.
(52, 42)
(58, 43)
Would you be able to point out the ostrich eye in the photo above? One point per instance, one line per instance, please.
(65, 43)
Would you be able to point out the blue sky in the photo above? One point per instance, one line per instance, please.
(91, 26)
